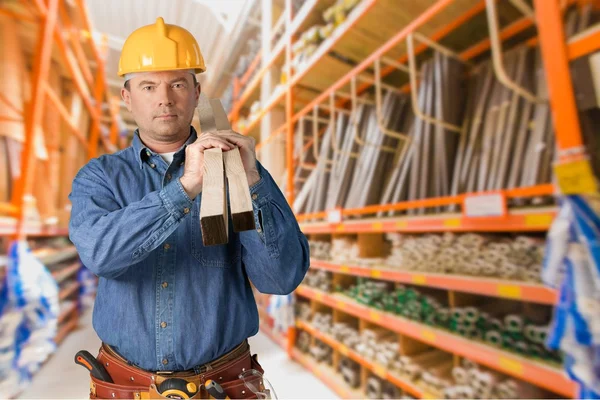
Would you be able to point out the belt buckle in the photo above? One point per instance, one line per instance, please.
(165, 372)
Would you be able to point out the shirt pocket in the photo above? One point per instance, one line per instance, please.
(220, 256)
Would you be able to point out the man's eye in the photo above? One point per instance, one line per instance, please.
(147, 88)
(178, 85)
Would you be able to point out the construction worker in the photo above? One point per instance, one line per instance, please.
(167, 306)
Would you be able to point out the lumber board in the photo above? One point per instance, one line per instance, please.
(213, 207)
(240, 202)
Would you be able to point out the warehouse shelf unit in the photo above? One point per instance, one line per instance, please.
(508, 289)
(512, 364)
(572, 171)
(66, 113)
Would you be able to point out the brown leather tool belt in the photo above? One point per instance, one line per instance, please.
(131, 382)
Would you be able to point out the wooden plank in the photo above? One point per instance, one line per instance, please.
(242, 211)
(213, 208)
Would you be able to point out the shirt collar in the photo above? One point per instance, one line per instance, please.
(143, 153)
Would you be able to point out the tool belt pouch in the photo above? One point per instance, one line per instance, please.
(103, 390)
(238, 388)
(235, 388)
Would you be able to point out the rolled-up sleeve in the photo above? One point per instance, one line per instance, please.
(276, 255)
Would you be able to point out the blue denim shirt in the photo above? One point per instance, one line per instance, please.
(164, 301)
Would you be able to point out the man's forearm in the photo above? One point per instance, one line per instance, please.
(109, 238)
(276, 255)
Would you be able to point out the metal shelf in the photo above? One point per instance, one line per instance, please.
(376, 369)
(54, 256)
(327, 375)
(544, 376)
(64, 273)
(517, 220)
(507, 289)
(69, 290)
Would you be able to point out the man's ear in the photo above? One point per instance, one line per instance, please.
(197, 94)
(126, 96)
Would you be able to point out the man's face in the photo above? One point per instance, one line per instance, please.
(162, 103)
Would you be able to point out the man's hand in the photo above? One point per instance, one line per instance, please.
(225, 140)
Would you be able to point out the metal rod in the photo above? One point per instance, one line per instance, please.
(413, 83)
(354, 122)
(441, 49)
(524, 8)
(497, 55)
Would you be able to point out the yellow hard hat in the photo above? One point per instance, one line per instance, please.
(160, 47)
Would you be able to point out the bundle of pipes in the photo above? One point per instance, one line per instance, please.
(346, 334)
(303, 340)
(322, 322)
(506, 257)
(379, 345)
(391, 392)
(380, 149)
(351, 155)
(303, 311)
(374, 387)
(474, 382)
(371, 293)
(318, 279)
(321, 352)
(320, 250)
(492, 324)
(498, 328)
(344, 249)
(425, 167)
(435, 369)
(350, 371)
(509, 141)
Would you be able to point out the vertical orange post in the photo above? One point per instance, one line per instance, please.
(35, 110)
(98, 97)
(560, 87)
(289, 145)
(289, 108)
(114, 126)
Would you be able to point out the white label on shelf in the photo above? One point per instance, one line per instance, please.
(484, 205)
(334, 216)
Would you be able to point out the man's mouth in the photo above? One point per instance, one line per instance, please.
(167, 116)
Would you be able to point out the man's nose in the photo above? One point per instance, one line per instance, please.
(165, 95)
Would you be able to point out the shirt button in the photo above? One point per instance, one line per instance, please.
(163, 324)
(164, 285)
(186, 210)
(167, 246)
(254, 196)
(165, 361)
(152, 165)
(181, 164)
(258, 230)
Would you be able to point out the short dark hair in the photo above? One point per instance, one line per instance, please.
(127, 86)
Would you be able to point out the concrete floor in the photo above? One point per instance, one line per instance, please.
(61, 378)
